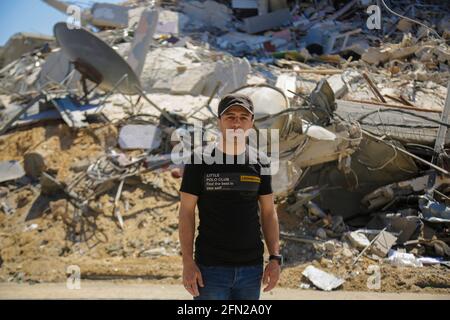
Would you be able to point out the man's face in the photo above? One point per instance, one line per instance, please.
(237, 118)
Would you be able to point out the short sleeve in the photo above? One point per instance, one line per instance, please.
(266, 185)
(191, 182)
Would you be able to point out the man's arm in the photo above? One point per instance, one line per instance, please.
(271, 231)
(186, 229)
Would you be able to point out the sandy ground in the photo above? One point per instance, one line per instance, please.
(110, 290)
(38, 242)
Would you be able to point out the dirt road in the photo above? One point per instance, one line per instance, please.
(133, 290)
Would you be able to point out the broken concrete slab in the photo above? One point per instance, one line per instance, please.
(358, 239)
(211, 13)
(268, 21)
(231, 72)
(109, 15)
(21, 43)
(192, 81)
(375, 56)
(383, 243)
(287, 83)
(162, 65)
(171, 22)
(10, 170)
(338, 85)
(141, 41)
(321, 279)
(134, 136)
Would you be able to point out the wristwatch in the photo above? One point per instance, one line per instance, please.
(277, 257)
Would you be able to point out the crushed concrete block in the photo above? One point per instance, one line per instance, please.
(192, 81)
(268, 21)
(161, 67)
(171, 22)
(133, 136)
(211, 13)
(358, 239)
(375, 56)
(384, 242)
(10, 170)
(287, 83)
(109, 15)
(21, 43)
(321, 279)
(231, 72)
(338, 85)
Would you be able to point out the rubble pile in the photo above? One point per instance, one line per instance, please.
(361, 102)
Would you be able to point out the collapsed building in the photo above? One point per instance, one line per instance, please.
(362, 120)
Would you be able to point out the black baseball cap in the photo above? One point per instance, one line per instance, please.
(235, 99)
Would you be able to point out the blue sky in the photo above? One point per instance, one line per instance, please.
(33, 16)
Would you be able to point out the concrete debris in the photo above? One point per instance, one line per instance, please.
(22, 43)
(268, 21)
(363, 160)
(358, 239)
(10, 170)
(139, 137)
(403, 259)
(210, 13)
(143, 35)
(383, 244)
(321, 279)
(171, 22)
(109, 15)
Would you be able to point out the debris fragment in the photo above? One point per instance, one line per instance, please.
(321, 279)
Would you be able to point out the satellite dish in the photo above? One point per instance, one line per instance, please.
(95, 60)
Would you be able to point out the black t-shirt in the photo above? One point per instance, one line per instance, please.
(229, 231)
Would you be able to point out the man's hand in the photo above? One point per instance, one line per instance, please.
(192, 276)
(271, 275)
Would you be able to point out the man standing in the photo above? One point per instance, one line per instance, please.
(233, 197)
